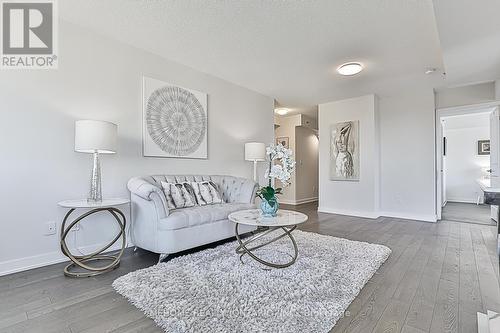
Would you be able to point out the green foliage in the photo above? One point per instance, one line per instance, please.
(268, 193)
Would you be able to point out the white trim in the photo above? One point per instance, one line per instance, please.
(444, 112)
(410, 216)
(46, 259)
(455, 110)
(374, 215)
(366, 214)
(462, 200)
(298, 202)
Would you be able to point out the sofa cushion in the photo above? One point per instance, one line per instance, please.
(233, 189)
(192, 216)
(206, 193)
(179, 195)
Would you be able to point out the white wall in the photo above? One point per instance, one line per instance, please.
(463, 164)
(407, 157)
(99, 78)
(497, 90)
(465, 95)
(360, 198)
(397, 156)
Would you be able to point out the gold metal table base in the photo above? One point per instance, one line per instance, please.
(242, 249)
(82, 261)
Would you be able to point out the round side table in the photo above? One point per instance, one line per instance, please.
(83, 261)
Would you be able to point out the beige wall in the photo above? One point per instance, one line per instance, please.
(287, 129)
(306, 154)
(304, 144)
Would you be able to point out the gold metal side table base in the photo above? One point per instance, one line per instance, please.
(83, 261)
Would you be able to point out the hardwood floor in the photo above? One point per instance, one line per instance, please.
(436, 279)
(467, 212)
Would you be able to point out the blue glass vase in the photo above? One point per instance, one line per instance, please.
(269, 208)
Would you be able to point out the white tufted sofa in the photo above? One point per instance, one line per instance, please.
(156, 228)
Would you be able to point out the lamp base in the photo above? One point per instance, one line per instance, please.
(95, 193)
(255, 171)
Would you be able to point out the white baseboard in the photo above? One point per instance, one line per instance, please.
(462, 200)
(374, 215)
(366, 214)
(298, 202)
(409, 216)
(46, 259)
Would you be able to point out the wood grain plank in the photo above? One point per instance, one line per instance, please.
(470, 301)
(372, 310)
(488, 282)
(445, 316)
(393, 318)
(422, 306)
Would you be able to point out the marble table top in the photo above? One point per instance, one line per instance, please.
(254, 217)
(105, 203)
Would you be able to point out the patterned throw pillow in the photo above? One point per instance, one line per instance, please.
(179, 195)
(207, 193)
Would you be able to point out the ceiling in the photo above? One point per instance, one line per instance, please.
(289, 50)
(469, 32)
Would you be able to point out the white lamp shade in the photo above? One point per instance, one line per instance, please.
(95, 136)
(255, 151)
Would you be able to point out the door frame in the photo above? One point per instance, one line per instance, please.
(438, 139)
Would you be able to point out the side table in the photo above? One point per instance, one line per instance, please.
(83, 261)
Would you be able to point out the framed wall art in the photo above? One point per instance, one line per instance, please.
(175, 121)
(344, 151)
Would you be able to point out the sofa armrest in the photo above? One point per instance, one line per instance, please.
(150, 192)
(248, 191)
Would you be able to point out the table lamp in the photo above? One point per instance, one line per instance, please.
(95, 137)
(255, 152)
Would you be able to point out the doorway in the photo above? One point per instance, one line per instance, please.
(299, 132)
(467, 146)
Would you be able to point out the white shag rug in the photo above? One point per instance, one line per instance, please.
(211, 291)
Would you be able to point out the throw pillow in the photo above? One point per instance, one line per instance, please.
(207, 193)
(179, 195)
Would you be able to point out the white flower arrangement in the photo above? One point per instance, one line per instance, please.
(281, 166)
(282, 170)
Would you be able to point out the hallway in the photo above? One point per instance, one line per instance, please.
(467, 212)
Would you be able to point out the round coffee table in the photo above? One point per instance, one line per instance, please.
(286, 221)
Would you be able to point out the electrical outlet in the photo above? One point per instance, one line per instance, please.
(50, 228)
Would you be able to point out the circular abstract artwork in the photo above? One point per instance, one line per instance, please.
(175, 120)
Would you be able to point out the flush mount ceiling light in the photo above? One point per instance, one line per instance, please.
(350, 68)
(281, 111)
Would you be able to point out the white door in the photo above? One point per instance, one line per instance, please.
(494, 155)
